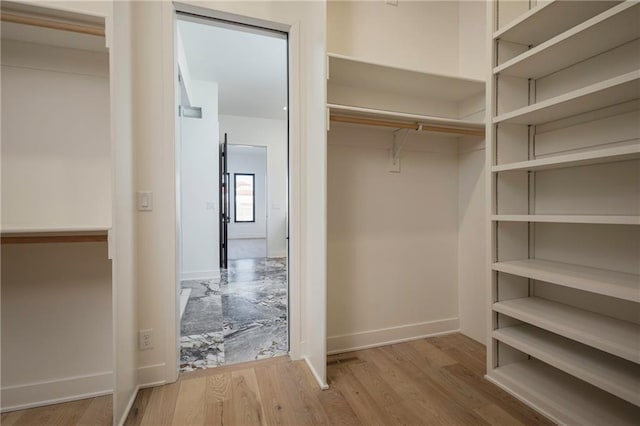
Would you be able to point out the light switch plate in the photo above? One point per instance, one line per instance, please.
(145, 201)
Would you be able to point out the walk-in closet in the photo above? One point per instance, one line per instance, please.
(57, 337)
(405, 172)
(563, 151)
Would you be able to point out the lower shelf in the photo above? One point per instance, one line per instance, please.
(620, 338)
(562, 397)
(610, 373)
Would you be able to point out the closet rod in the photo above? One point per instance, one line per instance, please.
(48, 23)
(406, 125)
(43, 239)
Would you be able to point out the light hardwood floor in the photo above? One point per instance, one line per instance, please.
(86, 412)
(431, 381)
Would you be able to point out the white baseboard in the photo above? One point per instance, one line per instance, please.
(56, 391)
(277, 254)
(151, 375)
(388, 336)
(125, 414)
(322, 383)
(200, 275)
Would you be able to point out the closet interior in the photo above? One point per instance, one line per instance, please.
(405, 178)
(564, 192)
(57, 342)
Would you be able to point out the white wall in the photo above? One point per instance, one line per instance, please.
(472, 256)
(271, 134)
(56, 322)
(56, 164)
(392, 238)
(155, 109)
(421, 35)
(199, 181)
(253, 160)
(472, 46)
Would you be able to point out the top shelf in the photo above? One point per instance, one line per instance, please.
(348, 71)
(550, 19)
(610, 29)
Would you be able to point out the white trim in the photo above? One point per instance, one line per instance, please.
(152, 375)
(323, 385)
(387, 336)
(200, 275)
(248, 237)
(38, 394)
(125, 414)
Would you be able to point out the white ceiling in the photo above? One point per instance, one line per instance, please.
(250, 68)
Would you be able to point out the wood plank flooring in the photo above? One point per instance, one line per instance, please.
(431, 381)
(85, 412)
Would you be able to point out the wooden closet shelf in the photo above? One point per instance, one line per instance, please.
(550, 19)
(619, 338)
(608, 372)
(51, 24)
(54, 235)
(606, 93)
(565, 399)
(600, 281)
(610, 29)
(596, 156)
(559, 218)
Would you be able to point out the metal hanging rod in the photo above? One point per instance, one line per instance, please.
(52, 24)
(40, 239)
(406, 125)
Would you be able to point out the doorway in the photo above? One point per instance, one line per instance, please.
(233, 192)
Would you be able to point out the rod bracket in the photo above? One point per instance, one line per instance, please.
(399, 139)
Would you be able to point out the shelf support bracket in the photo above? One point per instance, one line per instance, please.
(399, 138)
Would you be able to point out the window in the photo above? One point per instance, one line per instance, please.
(244, 197)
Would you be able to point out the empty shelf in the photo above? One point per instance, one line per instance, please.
(620, 338)
(563, 398)
(34, 235)
(557, 218)
(550, 19)
(608, 372)
(600, 281)
(610, 29)
(353, 72)
(599, 95)
(597, 156)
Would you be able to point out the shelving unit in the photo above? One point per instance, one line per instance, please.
(610, 373)
(414, 99)
(57, 274)
(565, 334)
(561, 396)
(613, 91)
(608, 30)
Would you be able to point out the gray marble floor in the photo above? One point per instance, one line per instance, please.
(241, 316)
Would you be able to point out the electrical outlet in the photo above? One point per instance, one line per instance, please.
(145, 339)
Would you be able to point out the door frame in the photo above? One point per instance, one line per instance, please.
(170, 71)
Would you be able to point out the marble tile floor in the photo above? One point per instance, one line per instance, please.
(240, 316)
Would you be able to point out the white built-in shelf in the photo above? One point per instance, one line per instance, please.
(606, 93)
(620, 338)
(550, 19)
(34, 235)
(58, 230)
(394, 115)
(353, 72)
(556, 218)
(608, 372)
(596, 156)
(610, 29)
(562, 397)
(599, 281)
